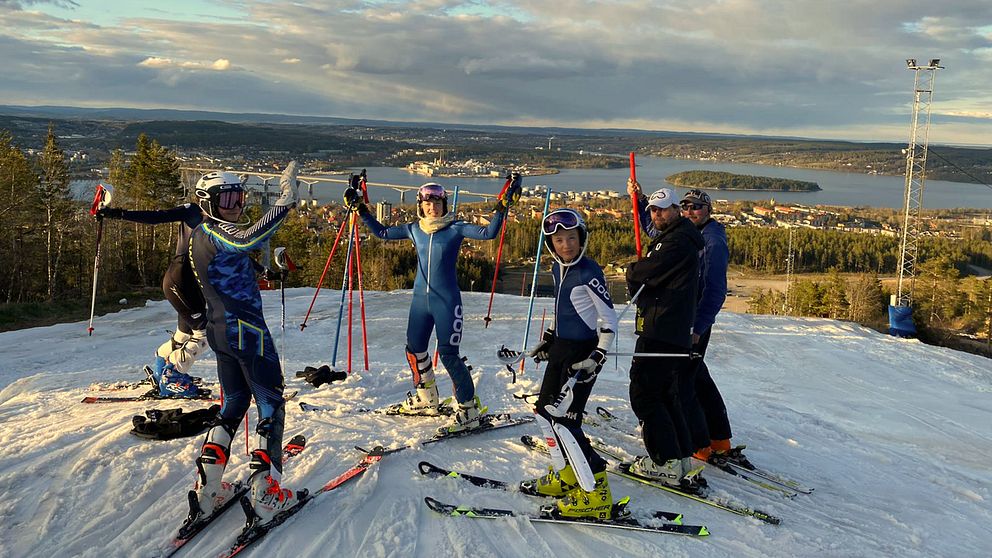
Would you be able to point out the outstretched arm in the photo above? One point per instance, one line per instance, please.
(475, 232)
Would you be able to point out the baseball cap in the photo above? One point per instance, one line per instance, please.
(662, 198)
(697, 196)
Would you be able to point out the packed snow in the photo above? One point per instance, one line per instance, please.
(893, 434)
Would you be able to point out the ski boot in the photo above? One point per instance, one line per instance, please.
(597, 504)
(211, 492)
(175, 384)
(669, 473)
(268, 497)
(425, 400)
(183, 356)
(555, 483)
(467, 417)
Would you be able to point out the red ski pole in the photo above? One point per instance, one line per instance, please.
(633, 200)
(351, 289)
(320, 283)
(361, 287)
(499, 254)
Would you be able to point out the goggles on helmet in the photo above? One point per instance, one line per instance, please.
(230, 199)
(565, 220)
(429, 192)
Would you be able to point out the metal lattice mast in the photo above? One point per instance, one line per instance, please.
(786, 307)
(916, 165)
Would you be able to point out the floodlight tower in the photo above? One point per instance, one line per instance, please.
(916, 165)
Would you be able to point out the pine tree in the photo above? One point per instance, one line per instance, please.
(835, 296)
(55, 200)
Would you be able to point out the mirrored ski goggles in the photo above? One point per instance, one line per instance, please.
(431, 192)
(231, 199)
(565, 220)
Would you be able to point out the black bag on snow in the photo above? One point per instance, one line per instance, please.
(173, 423)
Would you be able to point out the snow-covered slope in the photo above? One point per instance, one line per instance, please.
(893, 434)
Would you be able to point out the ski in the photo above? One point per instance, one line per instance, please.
(547, 515)
(742, 469)
(192, 527)
(445, 409)
(623, 470)
(431, 470)
(253, 533)
(150, 396)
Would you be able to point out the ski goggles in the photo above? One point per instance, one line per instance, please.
(230, 199)
(564, 220)
(429, 192)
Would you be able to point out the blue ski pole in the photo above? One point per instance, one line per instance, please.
(533, 283)
(344, 285)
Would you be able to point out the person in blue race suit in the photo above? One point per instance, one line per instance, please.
(437, 300)
(583, 327)
(247, 362)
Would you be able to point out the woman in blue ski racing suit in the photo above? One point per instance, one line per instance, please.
(437, 301)
(247, 363)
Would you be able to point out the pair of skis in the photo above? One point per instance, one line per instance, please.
(445, 409)
(194, 525)
(736, 467)
(621, 518)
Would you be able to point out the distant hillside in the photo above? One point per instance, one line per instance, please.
(714, 180)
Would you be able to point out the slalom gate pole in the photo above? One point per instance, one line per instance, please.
(320, 283)
(637, 214)
(499, 252)
(533, 283)
(101, 196)
(344, 284)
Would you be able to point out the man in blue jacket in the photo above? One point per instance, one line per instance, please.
(712, 437)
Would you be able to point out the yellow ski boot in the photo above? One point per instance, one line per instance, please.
(555, 483)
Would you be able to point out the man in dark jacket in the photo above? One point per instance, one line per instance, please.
(666, 308)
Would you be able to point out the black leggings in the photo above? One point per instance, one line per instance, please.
(183, 292)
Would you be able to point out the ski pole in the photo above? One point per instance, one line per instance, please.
(361, 287)
(637, 213)
(102, 198)
(499, 252)
(280, 260)
(320, 283)
(344, 283)
(351, 287)
(533, 284)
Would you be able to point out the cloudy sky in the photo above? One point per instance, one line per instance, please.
(814, 68)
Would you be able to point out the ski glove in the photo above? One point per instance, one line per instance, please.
(541, 351)
(289, 185)
(354, 201)
(109, 213)
(512, 194)
(320, 376)
(272, 275)
(586, 370)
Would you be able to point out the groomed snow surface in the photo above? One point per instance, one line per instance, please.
(893, 434)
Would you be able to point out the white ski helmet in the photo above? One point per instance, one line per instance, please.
(217, 190)
(564, 219)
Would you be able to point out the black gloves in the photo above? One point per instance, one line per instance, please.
(109, 213)
(540, 352)
(320, 376)
(511, 195)
(354, 201)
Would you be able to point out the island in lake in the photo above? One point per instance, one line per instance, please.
(715, 180)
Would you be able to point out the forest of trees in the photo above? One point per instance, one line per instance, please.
(718, 180)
